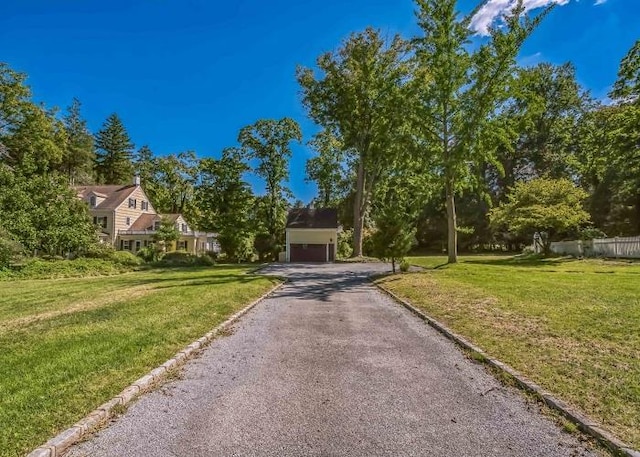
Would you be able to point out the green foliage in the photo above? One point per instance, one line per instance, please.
(167, 233)
(126, 258)
(458, 89)
(345, 244)
(169, 181)
(226, 203)
(79, 154)
(627, 86)
(149, 254)
(359, 95)
(99, 251)
(183, 259)
(404, 265)
(38, 268)
(114, 151)
(267, 246)
(394, 236)
(327, 168)
(9, 249)
(553, 207)
(267, 142)
(43, 214)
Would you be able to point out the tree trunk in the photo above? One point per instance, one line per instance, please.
(358, 216)
(393, 265)
(452, 228)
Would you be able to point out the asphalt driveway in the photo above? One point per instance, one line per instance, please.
(329, 366)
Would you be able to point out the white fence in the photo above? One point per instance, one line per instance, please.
(622, 248)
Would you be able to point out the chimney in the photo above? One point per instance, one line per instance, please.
(136, 180)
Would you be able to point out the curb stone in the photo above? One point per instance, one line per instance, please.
(60, 444)
(584, 423)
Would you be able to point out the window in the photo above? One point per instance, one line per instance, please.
(144, 205)
(138, 243)
(128, 221)
(182, 245)
(184, 228)
(100, 221)
(156, 225)
(133, 203)
(92, 201)
(125, 245)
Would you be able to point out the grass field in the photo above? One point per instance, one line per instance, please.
(68, 345)
(573, 326)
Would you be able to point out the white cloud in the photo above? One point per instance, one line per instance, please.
(496, 9)
(600, 2)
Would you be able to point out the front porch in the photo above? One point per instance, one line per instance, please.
(192, 242)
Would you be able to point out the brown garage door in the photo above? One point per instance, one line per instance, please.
(308, 252)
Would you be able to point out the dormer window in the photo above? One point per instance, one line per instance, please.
(92, 201)
(133, 203)
(184, 228)
(128, 221)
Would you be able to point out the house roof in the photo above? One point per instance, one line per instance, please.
(144, 221)
(309, 218)
(115, 195)
(171, 217)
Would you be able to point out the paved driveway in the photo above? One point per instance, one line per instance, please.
(329, 366)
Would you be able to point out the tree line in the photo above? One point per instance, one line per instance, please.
(444, 140)
(440, 139)
(44, 154)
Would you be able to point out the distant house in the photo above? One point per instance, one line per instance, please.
(128, 221)
(311, 235)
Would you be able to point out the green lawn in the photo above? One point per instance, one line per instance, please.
(572, 326)
(68, 345)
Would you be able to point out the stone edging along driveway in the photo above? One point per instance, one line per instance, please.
(584, 423)
(58, 445)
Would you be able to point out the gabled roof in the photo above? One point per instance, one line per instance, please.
(313, 218)
(115, 195)
(171, 217)
(145, 221)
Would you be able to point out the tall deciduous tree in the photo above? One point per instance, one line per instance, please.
(327, 168)
(43, 214)
(114, 151)
(267, 143)
(359, 94)
(79, 154)
(627, 86)
(461, 92)
(225, 201)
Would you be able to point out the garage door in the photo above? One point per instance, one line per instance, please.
(308, 252)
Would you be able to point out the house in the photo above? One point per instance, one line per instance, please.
(311, 235)
(128, 221)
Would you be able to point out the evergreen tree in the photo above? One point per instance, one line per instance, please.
(79, 155)
(113, 153)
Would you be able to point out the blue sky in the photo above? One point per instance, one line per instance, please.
(188, 74)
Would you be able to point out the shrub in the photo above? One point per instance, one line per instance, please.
(404, 266)
(9, 249)
(126, 258)
(82, 267)
(345, 240)
(99, 251)
(149, 254)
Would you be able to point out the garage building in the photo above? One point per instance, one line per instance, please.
(311, 235)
